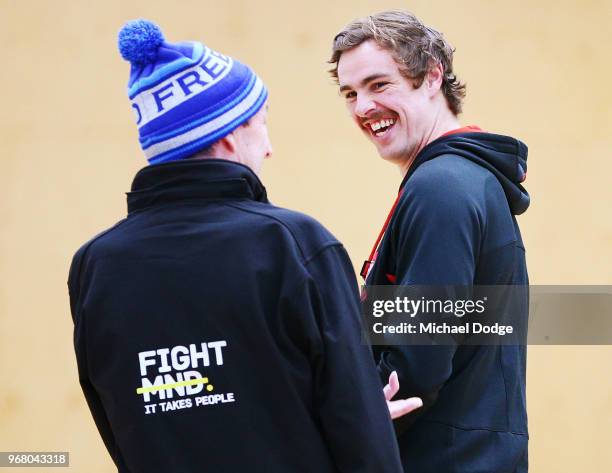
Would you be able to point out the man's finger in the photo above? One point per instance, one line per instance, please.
(403, 406)
(392, 388)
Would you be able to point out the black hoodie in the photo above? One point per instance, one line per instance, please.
(454, 225)
(215, 332)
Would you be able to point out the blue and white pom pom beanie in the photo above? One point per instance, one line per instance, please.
(185, 95)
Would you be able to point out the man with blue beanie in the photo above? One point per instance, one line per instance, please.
(214, 331)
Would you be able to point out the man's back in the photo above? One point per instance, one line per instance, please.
(216, 331)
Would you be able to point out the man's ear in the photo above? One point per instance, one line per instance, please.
(433, 79)
(226, 145)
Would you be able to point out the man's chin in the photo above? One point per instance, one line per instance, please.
(388, 156)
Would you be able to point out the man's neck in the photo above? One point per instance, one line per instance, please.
(442, 124)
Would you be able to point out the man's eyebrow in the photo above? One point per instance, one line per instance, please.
(365, 81)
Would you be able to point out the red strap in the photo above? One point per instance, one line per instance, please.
(367, 263)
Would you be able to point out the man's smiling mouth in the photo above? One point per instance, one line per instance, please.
(379, 128)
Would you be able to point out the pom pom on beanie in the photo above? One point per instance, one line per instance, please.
(139, 41)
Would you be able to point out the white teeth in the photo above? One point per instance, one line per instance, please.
(380, 124)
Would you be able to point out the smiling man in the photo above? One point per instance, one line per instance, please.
(453, 223)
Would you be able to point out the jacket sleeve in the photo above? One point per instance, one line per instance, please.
(91, 396)
(349, 400)
(436, 235)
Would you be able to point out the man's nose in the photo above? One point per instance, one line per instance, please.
(269, 150)
(364, 105)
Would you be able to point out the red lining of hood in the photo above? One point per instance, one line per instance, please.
(465, 129)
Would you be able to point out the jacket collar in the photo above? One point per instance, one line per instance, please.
(193, 179)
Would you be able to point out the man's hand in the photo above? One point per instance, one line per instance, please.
(401, 406)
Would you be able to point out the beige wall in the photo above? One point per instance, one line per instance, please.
(69, 151)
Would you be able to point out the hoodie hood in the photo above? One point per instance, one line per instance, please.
(504, 156)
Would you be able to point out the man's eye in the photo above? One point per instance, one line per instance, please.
(350, 95)
(380, 85)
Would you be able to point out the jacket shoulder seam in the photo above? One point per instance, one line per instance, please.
(85, 248)
(305, 259)
(324, 247)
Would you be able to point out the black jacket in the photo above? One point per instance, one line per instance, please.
(454, 225)
(246, 313)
